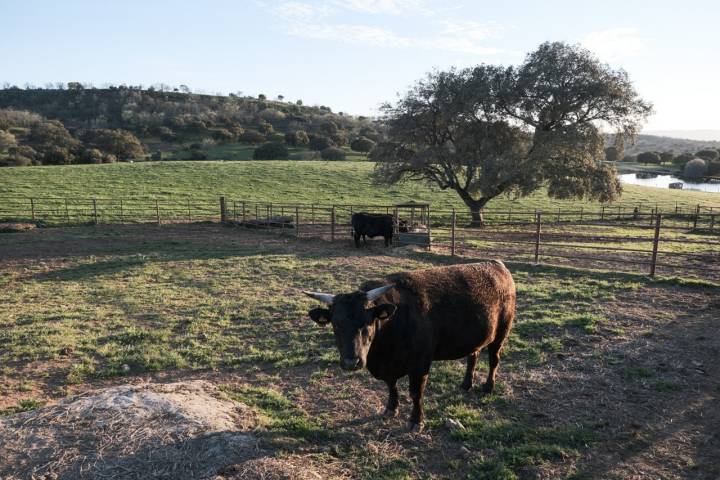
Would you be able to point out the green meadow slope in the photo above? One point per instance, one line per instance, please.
(277, 181)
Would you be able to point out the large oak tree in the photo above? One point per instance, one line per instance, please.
(494, 130)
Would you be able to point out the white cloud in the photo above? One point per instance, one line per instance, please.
(390, 7)
(382, 37)
(315, 21)
(301, 11)
(616, 43)
(472, 29)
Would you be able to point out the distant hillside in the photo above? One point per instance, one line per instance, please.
(702, 135)
(653, 143)
(93, 125)
(140, 110)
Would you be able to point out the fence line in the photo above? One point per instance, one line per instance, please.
(650, 236)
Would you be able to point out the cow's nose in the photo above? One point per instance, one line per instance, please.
(351, 363)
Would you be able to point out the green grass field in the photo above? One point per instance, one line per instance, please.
(279, 181)
(86, 307)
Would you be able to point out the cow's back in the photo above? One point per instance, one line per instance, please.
(456, 308)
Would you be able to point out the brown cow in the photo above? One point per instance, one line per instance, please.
(398, 326)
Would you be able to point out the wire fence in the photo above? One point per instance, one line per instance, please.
(644, 238)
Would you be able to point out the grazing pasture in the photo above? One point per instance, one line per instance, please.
(606, 375)
(280, 181)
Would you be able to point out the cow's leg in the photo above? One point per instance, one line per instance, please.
(391, 408)
(494, 350)
(357, 240)
(417, 391)
(472, 359)
(365, 239)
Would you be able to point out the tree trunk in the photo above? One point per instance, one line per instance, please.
(477, 217)
(476, 207)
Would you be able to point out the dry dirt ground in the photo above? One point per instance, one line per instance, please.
(646, 384)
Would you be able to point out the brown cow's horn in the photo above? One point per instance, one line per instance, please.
(323, 297)
(376, 292)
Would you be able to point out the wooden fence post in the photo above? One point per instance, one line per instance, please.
(223, 212)
(656, 241)
(558, 215)
(189, 212)
(452, 234)
(429, 230)
(157, 212)
(67, 213)
(95, 216)
(712, 222)
(581, 214)
(332, 224)
(297, 221)
(235, 211)
(32, 209)
(243, 212)
(537, 237)
(312, 214)
(695, 219)
(122, 213)
(602, 213)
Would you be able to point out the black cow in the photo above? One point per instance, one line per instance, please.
(372, 225)
(399, 325)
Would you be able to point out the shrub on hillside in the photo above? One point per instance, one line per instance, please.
(7, 140)
(109, 158)
(166, 134)
(275, 138)
(57, 156)
(297, 138)
(667, 157)
(223, 135)
(695, 168)
(121, 143)
(682, 159)
(629, 158)
(23, 151)
(91, 155)
(271, 115)
(708, 155)
(364, 145)
(339, 139)
(319, 143)
(649, 157)
(252, 136)
(266, 128)
(236, 130)
(16, 161)
(271, 151)
(197, 155)
(713, 168)
(333, 153)
(47, 135)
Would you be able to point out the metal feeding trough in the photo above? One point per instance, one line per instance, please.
(412, 224)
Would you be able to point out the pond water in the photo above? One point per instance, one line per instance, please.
(663, 181)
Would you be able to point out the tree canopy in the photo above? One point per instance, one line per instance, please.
(493, 130)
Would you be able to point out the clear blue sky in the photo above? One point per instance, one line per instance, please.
(353, 55)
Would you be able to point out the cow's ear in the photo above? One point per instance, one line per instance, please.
(383, 311)
(321, 316)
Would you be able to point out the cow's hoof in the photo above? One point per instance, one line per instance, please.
(415, 427)
(488, 388)
(466, 386)
(390, 412)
